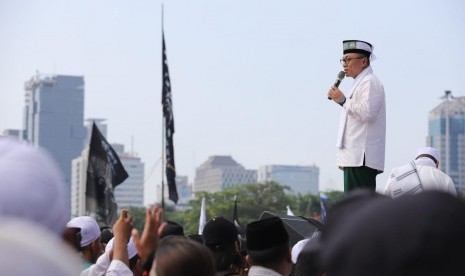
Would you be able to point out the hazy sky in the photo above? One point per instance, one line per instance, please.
(249, 78)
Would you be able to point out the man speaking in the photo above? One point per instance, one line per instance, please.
(362, 126)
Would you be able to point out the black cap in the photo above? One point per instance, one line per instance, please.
(265, 234)
(172, 229)
(420, 234)
(219, 232)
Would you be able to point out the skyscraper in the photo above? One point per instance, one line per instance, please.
(446, 133)
(53, 118)
(301, 179)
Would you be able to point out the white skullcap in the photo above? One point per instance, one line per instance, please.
(297, 248)
(430, 151)
(28, 248)
(90, 231)
(131, 248)
(31, 185)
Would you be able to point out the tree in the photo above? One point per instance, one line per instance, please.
(252, 200)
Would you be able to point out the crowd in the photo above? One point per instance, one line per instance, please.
(406, 231)
(416, 227)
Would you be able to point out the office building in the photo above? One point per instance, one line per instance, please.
(446, 133)
(13, 133)
(184, 189)
(301, 179)
(53, 118)
(130, 193)
(220, 172)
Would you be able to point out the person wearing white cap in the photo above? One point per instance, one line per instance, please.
(89, 235)
(116, 259)
(362, 126)
(419, 175)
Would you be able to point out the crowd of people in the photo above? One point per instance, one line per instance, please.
(407, 232)
(416, 227)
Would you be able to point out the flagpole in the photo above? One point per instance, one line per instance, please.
(163, 164)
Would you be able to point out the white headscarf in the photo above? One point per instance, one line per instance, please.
(31, 186)
(27, 248)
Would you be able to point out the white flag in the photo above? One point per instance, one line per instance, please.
(323, 200)
(203, 217)
(289, 211)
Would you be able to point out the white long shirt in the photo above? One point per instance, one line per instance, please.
(431, 178)
(262, 271)
(105, 266)
(362, 129)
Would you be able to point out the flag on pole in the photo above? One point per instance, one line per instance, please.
(289, 211)
(203, 217)
(104, 173)
(323, 200)
(169, 128)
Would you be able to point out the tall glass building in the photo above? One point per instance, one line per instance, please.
(446, 133)
(54, 116)
(300, 179)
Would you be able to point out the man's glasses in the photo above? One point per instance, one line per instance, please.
(347, 60)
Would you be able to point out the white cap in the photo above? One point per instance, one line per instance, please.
(32, 186)
(429, 151)
(89, 229)
(131, 248)
(297, 248)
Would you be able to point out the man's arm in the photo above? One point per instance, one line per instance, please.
(122, 232)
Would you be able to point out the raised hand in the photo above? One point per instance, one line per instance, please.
(153, 228)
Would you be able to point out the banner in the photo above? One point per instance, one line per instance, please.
(169, 128)
(104, 173)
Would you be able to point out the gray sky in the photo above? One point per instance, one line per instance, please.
(249, 77)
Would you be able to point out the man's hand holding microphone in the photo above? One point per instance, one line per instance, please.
(334, 93)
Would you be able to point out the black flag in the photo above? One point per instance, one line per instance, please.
(169, 128)
(104, 173)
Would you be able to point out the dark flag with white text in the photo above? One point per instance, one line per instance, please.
(104, 173)
(169, 128)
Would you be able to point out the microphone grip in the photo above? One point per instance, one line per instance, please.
(338, 81)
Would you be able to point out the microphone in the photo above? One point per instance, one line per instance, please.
(339, 79)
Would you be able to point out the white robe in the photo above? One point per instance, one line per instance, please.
(429, 176)
(362, 128)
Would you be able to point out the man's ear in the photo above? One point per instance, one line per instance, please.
(97, 246)
(249, 260)
(237, 246)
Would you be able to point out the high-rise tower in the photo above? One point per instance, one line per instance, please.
(54, 116)
(446, 133)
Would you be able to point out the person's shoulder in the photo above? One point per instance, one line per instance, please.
(399, 170)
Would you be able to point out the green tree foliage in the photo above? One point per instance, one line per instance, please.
(138, 217)
(252, 200)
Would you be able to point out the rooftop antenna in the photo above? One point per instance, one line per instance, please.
(132, 145)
